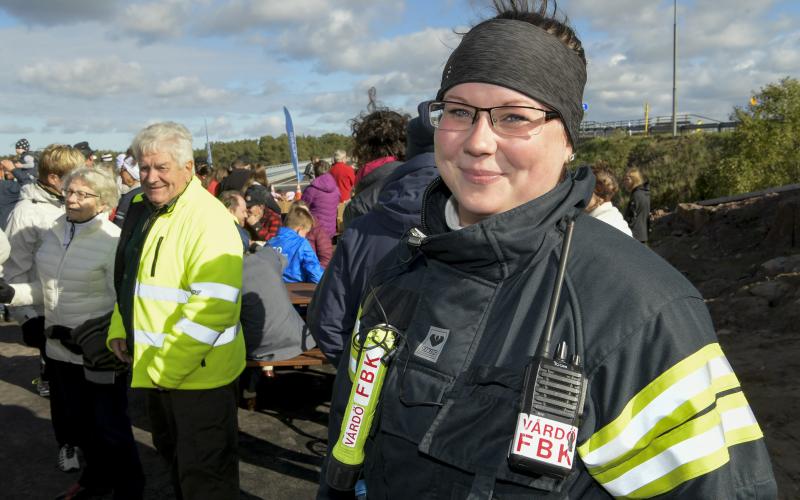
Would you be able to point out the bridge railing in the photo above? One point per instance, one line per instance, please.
(655, 125)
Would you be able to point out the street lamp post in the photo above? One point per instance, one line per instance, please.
(674, 65)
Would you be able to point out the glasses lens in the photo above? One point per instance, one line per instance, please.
(80, 195)
(451, 116)
(518, 120)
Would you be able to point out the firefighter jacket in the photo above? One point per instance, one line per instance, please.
(664, 412)
(178, 277)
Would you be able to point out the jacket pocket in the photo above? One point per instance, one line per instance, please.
(412, 396)
(474, 429)
(155, 257)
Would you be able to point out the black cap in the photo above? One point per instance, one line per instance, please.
(256, 195)
(84, 148)
(23, 144)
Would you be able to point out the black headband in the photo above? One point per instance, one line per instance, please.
(522, 57)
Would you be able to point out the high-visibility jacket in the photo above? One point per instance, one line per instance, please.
(186, 298)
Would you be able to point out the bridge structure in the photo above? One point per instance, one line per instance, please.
(655, 125)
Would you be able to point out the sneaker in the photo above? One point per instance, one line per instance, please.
(68, 458)
(43, 386)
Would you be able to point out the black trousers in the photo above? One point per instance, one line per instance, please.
(196, 431)
(95, 418)
(70, 404)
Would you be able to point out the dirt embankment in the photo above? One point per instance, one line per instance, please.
(744, 256)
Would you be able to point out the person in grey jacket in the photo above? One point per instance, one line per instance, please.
(273, 329)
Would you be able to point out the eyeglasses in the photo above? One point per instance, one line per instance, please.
(80, 195)
(518, 121)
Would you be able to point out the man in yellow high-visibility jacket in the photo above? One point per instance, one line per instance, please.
(178, 277)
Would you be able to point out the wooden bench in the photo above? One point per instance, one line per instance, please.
(313, 357)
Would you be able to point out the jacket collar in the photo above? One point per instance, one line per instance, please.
(506, 243)
(189, 193)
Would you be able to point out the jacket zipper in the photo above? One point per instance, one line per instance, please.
(433, 185)
(155, 257)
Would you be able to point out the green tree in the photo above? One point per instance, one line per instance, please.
(764, 148)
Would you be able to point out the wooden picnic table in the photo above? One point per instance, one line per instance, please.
(300, 293)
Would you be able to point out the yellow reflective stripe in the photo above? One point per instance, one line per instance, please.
(738, 420)
(215, 290)
(155, 292)
(148, 338)
(670, 399)
(695, 448)
(681, 414)
(206, 335)
(692, 441)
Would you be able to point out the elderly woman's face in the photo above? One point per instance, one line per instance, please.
(490, 173)
(81, 201)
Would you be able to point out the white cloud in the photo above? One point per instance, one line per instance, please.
(59, 12)
(190, 90)
(86, 78)
(13, 128)
(152, 21)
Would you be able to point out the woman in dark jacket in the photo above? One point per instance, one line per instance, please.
(379, 139)
(637, 401)
(638, 212)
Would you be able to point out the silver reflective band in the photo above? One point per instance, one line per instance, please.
(194, 330)
(205, 334)
(215, 290)
(149, 338)
(155, 292)
(181, 296)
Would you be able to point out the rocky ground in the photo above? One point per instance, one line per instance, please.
(744, 256)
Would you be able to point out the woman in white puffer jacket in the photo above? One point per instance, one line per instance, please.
(75, 265)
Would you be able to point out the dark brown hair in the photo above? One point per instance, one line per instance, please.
(379, 133)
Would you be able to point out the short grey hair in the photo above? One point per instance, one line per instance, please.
(102, 183)
(165, 137)
(339, 156)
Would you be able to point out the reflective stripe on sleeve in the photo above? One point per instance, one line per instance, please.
(693, 449)
(206, 335)
(672, 398)
(215, 290)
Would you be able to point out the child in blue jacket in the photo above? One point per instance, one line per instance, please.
(303, 264)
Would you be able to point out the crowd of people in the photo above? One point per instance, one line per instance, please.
(463, 229)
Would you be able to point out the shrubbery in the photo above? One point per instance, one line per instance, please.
(763, 151)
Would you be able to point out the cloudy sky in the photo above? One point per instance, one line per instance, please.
(99, 70)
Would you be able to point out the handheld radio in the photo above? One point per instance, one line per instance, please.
(553, 394)
(374, 356)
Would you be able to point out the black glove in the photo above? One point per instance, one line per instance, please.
(91, 336)
(63, 335)
(6, 292)
(33, 332)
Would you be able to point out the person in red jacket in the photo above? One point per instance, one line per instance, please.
(343, 173)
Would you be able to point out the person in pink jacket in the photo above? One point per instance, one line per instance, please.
(322, 198)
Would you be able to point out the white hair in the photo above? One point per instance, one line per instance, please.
(165, 137)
